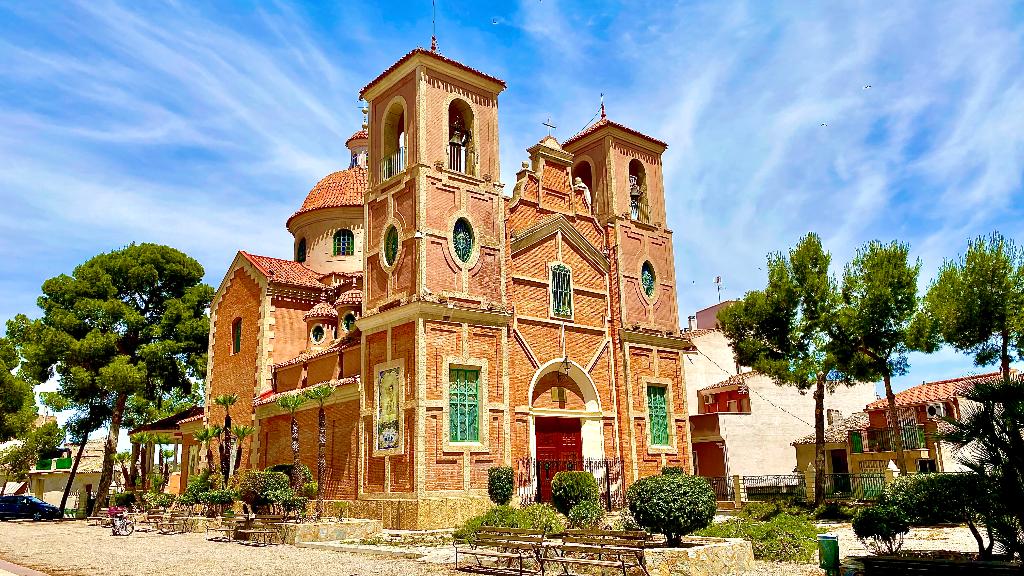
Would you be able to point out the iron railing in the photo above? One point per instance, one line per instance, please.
(770, 487)
(884, 439)
(845, 486)
(722, 486)
(532, 475)
(392, 164)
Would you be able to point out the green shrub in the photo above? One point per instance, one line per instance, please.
(123, 499)
(222, 497)
(762, 511)
(533, 517)
(259, 487)
(305, 475)
(500, 484)
(834, 511)
(197, 484)
(586, 514)
(784, 538)
(158, 499)
(570, 488)
(672, 505)
(626, 522)
(929, 499)
(670, 470)
(308, 490)
(881, 528)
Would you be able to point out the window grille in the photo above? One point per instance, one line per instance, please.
(561, 291)
(464, 405)
(657, 415)
(344, 243)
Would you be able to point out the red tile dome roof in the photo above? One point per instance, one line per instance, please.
(338, 189)
(321, 310)
(360, 135)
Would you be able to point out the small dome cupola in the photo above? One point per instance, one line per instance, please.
(358, 145)
(321, 325)
(348, 305)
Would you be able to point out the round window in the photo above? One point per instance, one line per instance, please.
(648, 278)
(349, 322)
(462, 237)
(318, 334)
(390, 245)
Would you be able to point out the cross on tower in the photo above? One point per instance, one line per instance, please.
(549, 125)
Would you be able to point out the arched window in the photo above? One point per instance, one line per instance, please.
(318, 333)
(638, 209)
(236, 336)
(300, 250)
(390, 246)
(461, 155)
(392, 160)
(585, 173)
(349, 322)
(648, 279)
(561, 291)
(344, 243)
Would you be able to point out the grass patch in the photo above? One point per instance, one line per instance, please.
(782, 537)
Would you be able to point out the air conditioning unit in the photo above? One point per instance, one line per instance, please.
(936, 410)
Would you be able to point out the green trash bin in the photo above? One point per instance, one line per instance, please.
(828, 553)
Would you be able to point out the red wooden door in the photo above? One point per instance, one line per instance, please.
(559, 447)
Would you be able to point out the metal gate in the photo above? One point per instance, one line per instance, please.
(531, 473)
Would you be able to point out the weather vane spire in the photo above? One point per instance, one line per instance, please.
(602, 105)
(433, 25)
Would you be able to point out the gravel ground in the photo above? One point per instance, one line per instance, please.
(74, 549)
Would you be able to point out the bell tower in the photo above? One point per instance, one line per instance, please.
(623, 169)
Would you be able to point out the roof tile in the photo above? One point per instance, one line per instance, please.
(337, 189)
(285, 271)
(935, 391)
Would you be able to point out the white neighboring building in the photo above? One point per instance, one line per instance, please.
(741, 422)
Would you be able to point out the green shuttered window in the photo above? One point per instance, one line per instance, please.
(561, 291)
(464, 405)
(657, 415)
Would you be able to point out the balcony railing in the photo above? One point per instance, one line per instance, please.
(772, 487)
(392, 164)
(854, 486)
(884, 439)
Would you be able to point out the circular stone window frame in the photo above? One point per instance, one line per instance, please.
(312, 334)
(474, 255)
(647, 265)
(382, 248)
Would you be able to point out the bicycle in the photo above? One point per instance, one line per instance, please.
(121, 524)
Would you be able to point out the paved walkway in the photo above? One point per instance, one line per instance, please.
(8, 569)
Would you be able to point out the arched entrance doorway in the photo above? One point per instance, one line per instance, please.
(566, 423)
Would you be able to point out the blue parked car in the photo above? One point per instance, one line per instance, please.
(15, 507)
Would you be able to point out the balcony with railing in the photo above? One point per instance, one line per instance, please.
(392, 164)
(884, 439)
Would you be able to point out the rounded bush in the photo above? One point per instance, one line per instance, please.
(570, 488)
(670, 470)
(929, 499)
(541, 517)
(881, 528)
(123, 499)
(305, 475)
(586, 514)
(257, 487)
(500, 484)
(673, 505)
(223, 497)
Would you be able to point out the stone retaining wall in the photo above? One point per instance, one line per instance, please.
(344, 529)
(702, 557)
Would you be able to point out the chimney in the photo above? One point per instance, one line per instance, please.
(691, 321)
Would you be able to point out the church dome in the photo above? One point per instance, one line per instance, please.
(322, 311)
(343, 188)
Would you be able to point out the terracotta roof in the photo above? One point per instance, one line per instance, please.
(353, 296)
(699, 332)
(170, 422)
(606, 122)
(334, 347)
(734, 380)
(273, 398)
(434, 55)
(321, 310)
(337, 189)
(359, 135)
(935, 391)
(284, 271)
(195, 418)
(839, 431)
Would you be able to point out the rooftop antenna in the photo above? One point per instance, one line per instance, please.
(718, 286)
(549, 125)
(602, 105)
(433, 26)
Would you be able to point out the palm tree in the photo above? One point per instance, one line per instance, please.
(227, 401)
(240, 433)
(319, 394)
(144, 440)
(292, 403)
(162, 440)
(205, 437)
(123, 459)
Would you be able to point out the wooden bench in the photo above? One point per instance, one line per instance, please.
(503, 544)
(263, 529)
(226, 528)
(623, 550)
(174, 523)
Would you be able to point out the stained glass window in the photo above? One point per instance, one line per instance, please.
(349, 322)
(561, 291)
(300, 251)
(648, 279)
(464, 405)
(344, 243)
(390, 245)
(657, 415)
(236, 336)
(462, 236)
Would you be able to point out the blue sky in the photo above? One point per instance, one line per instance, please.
(203, 127)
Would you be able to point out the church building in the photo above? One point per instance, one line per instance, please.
(460, 327)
